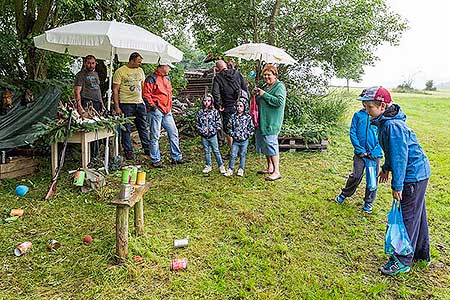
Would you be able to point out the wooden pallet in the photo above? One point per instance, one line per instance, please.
(293, 144)
(18, 167)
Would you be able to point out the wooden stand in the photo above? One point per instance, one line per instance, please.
(84, 138)
(293, 144)
(122, 211)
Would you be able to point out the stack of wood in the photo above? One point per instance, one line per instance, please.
(200, 83)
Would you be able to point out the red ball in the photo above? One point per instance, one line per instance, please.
(87, 239)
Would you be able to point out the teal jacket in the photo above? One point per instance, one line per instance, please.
(271, 109)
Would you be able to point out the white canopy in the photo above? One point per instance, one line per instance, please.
(104, 39)
(262, 52)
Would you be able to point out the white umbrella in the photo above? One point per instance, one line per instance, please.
(104, 40)
(262, 52)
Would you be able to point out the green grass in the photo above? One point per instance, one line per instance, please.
(248, 239)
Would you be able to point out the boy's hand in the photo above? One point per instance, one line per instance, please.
(384, 176)
(397, 195)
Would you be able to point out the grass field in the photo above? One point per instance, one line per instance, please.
(248, 239)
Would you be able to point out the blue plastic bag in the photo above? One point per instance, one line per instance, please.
(397, 240)
(371, 174)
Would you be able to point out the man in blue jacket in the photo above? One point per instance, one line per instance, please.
(405, 158)
(364, 138)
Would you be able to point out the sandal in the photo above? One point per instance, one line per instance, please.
(265, 171)
(272, 179)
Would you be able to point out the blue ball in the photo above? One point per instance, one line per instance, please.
(21, 190)
(252, 75)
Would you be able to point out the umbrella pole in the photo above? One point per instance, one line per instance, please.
(106, 163)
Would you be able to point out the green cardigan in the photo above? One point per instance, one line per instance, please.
(271, 109)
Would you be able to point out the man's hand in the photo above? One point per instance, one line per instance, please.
(80, 108)
(117, 110)
(384, 176)
(397, 195)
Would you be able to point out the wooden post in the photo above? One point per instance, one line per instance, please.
(54, 150)
(139, 217)
(122, 232)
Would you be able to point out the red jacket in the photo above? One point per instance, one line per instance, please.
(158, 92)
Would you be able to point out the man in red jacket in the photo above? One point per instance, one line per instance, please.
(157, 96)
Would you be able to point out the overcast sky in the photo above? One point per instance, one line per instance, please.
(424, 50)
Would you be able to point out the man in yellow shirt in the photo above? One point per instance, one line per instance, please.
(127, 93)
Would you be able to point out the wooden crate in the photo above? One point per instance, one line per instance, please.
(293, 144)
(18, 167)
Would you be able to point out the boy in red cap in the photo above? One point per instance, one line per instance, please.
(405, 158)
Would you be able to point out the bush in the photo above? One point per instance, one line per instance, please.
(313, 117)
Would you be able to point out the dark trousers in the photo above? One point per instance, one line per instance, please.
(140, 113)
(354, 179)
(416, 222)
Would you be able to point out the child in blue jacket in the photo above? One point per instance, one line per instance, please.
(240, 128)
(364, 138)
(410, 169)
(208, 124)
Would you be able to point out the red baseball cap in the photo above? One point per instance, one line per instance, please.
(375, 93)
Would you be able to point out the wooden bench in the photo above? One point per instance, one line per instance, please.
(122, 211)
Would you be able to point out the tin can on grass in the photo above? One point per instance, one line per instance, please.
(133, 174)
(141, 177)
(180, 243)
(16, 212)
(78, 178)
(125, 192)
(178, 264)
(22, 248)
(53, 245)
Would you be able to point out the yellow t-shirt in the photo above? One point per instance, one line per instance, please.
(130, 80)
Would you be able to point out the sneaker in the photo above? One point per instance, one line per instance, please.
(367, 208)
(240, 172)
(394, 267)
(178, 162)
(207, 169)
(129, 155)
(222, 169)
(339, 199)
(158, 165)
(228, 173)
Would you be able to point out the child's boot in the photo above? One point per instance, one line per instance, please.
(339, 199)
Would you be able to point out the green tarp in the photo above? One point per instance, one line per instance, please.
(16, 127)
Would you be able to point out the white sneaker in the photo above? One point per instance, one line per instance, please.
(228, 173)
(222, 169)
(207, 169)
(240, 172)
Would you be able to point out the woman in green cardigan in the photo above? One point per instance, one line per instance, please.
(271, 99)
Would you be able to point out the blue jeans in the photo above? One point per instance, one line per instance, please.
(139, 112)
(157, 119)
(241, 148)
(214, 144)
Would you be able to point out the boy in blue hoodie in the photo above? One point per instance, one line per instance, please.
(410, 169)
(364, 138)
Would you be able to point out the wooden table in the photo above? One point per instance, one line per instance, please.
(84, 138)
(122, 211)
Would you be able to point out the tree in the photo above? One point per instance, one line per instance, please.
(429, 86)
(341, 36)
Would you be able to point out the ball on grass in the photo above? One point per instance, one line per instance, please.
(87, 239)
(21, 190)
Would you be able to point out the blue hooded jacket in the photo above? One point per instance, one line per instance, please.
(404, 156)
(364, 136)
